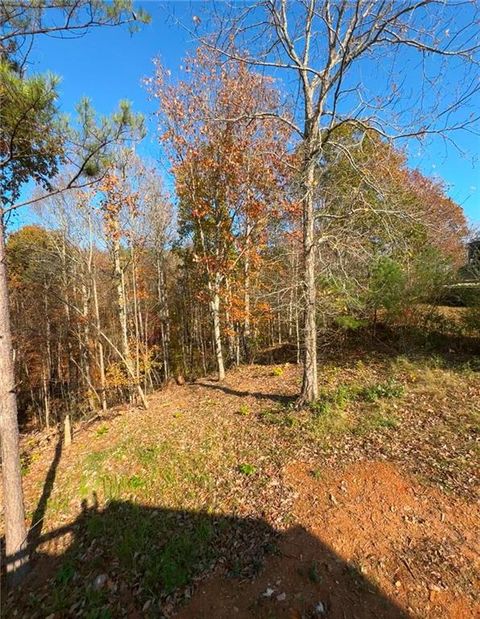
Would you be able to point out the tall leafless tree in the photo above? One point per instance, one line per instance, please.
(407, 69)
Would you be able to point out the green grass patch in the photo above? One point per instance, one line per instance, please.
(58, 503)
(148, 455)
(165, 549)
(330, 421)
(376, 420)
(329, 400)
(117, 486)
(314, 573)
(388, 389)
(24, 464)
(101, 430)
(244, 410)
(247, 469)
(95, 460)
(283, 417)
(65, 574)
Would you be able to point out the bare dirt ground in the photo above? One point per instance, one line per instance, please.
(222, 501)
(372, 542)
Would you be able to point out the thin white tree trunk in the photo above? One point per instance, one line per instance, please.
(246, 323)
(217, 333)
(164, 317)
(84, 337)
(121, 306)
(229, 323)
(47, 371)
(46, 401)
(136, 320)
(101, 354)
(67, 431)
(99, 343)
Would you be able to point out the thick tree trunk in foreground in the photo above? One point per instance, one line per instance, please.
(15, 529)
(309, 391)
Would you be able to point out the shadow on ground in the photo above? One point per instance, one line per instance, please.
(284, 400)
(140, 561)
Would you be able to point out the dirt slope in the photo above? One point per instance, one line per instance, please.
(222, 501)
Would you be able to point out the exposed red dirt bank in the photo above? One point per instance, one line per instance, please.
(368, 542)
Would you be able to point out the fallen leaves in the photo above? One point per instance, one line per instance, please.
(192, 451)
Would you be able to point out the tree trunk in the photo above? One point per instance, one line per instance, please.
(164, 316)
(297, 311)
(122, 315)
(217, 334)
(84, 340)
(93, 287)
(290, 314)
(136, 320)
(309, 392)
(101, 354)
(67, 431)
(279, 320)
(121, 305)
(246, 323)
(46, 399)
(67, 280)
(15, 529)
(47, 371)
(229, 323)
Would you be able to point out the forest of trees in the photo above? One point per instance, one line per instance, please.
(113, 296)
(281, 223)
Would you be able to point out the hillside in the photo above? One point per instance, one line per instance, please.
(221, 500)
(239, 323)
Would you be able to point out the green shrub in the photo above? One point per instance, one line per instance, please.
(102, 430)
(389, 389)
(337, 399)
(471, 320)
(350, 323)
(387, 285)
(460, 295)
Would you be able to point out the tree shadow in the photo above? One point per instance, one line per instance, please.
(284, 400)
(135, 560)
(36, 525)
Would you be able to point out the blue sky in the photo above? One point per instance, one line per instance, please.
(109, 64)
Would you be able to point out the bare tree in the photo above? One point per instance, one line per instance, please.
(403, 68)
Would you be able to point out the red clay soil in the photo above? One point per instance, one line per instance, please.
(367, 543)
